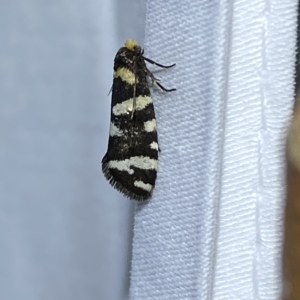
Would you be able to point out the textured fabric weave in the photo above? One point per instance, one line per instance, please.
(213, 229)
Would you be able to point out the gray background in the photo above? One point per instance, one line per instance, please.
(64, 232)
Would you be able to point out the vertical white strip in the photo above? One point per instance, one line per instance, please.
(174, 233)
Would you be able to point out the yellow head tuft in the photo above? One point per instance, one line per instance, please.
(130, 44)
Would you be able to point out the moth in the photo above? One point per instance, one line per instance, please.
(131, 161)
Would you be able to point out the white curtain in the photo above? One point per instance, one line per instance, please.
(213, 229)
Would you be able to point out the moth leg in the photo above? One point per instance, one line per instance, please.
(156, 81)
(163, 88)
(157, 64)
(110, 91)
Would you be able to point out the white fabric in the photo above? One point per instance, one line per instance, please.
(213, 229)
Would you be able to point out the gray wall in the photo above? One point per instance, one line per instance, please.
(64, 232)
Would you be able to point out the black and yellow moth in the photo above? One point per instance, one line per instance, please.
(131, 161)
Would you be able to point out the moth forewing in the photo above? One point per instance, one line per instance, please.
(131, 161)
